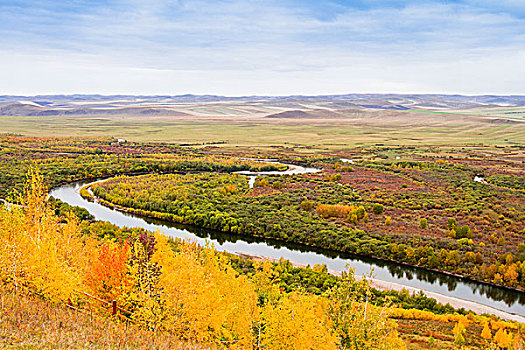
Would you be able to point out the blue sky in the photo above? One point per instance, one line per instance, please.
(262, 47)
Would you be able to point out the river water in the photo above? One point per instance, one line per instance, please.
(496, 297)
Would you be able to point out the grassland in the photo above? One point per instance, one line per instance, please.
(300, 124)
(301, 135)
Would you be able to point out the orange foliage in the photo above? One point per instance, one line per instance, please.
(503, 339)
(486, 333)
(106, 276)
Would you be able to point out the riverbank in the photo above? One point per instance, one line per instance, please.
(417, 278)
(87, 193)
(456, 303)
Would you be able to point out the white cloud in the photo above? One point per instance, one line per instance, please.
(253, 47)
(500, 74)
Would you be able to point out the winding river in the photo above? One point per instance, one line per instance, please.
(496, 297)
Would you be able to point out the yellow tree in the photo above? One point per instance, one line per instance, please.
(206, 300)
(518, 339)
(486, 333)
(503, 339)
(297, 321)
(37, 252)
(459, 331)
(145, 296)
(358, 324)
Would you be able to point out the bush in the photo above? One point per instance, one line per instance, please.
(463, 232)
(277, 185)
(307, 205)
(336, 177)
(377, 209)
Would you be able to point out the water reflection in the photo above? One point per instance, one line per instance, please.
(397, 272)
(499, 298)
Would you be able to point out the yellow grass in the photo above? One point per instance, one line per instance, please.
(27, 322)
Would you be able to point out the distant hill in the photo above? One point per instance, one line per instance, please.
(298, 114)
(24, 109)
(273, 107)
(387, 101)
(19, 109)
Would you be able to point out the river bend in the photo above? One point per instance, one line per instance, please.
(496, 297)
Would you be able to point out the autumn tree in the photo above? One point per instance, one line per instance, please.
(307, 205)
(297, 321)
(107, 274)
(207, 301)
(358, 323)
(459, 333)
(503, 338)
(486, 333)
(145, 295)
(377, 208)
(38, 252)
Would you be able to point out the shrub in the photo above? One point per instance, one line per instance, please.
(377, 209)
(360, 212)
(463, 232)
(277, 185)
(336, 177)
(307, 205)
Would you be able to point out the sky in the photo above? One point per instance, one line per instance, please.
(266, 47)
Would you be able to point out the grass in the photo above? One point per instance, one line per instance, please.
(420, 334)
(302, 135)
(27, 322)
(503, 113)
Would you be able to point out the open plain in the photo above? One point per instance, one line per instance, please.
(301, 123)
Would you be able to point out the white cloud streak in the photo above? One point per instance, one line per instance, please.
(253, 47)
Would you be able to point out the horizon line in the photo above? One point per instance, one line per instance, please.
(259, 96)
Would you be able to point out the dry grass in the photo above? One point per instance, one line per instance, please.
(252, 128)
(417, 334)
(27, 322)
